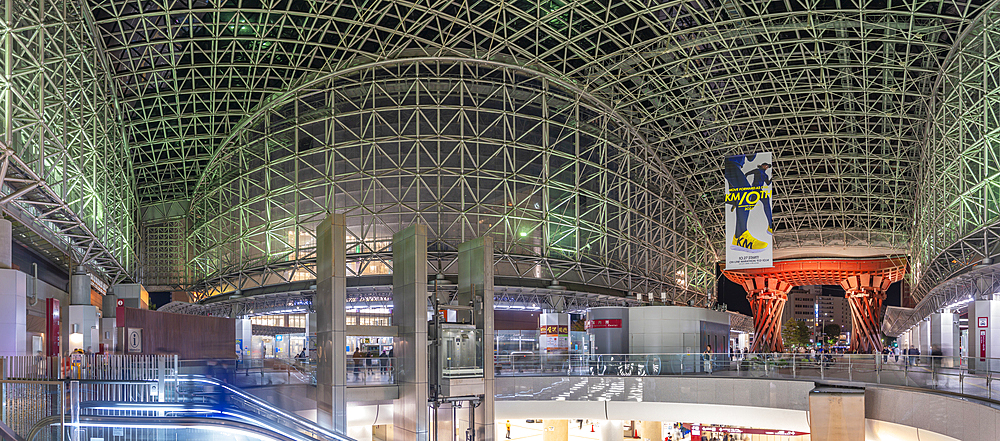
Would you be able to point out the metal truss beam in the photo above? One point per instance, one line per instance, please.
(380, 296)
(65, 172)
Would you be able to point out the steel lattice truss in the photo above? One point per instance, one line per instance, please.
(65, 171)
(469, 148)
(380, 296)
(837, 90)
(959, 209)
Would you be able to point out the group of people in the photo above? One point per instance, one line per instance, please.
(371, 361)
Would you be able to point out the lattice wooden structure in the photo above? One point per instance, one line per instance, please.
(864, 280)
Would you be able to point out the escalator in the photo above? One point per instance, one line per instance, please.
(199, 408)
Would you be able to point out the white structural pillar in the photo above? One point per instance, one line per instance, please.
(409, 315)
(13, 298)
(611, 430)
(5, 244)
(83, 319)
(924, 338)
(244, 336)
(944, 336)
(984, 335)
(13, 319)
(331, 323)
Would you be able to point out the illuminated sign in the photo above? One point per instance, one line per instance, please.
(604, 324)
(554, 329)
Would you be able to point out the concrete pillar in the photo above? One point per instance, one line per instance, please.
(553, 336)
(311, 333)
(82, 316)
(924, 338)
(650, 431)
(984, 335)
(475, 284)
(108, 333)
(244, 337)
(944, 327)
(612, 430)
(409, 315)
(5, 244)
(837, 414)
(331, 323)
(555, 430)
(13, 318)
(132, 295)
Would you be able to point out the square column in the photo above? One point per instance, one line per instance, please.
(984, 335)
(13, 318)
(944, 328)
(475, 283)
(837, 414)
(409, 315)
(331, 323)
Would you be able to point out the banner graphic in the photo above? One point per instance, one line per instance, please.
(749, 227)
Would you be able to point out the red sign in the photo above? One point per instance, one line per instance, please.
(604, 323)
(554, 329)
(982, 345)
(746, 431)
(121, 302)
(53, 325)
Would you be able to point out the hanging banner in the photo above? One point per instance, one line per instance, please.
(749, 226)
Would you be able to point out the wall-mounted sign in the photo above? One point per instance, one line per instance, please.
(133, 339)
(982, 345)
(554, 329)
(121, 302)
(604, 323)
(984, 322)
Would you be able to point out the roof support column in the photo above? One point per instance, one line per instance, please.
(331, 323)
(866, 296)
(767, 298)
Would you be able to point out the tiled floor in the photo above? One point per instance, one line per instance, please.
(523, 431)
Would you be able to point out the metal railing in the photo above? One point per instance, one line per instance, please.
(33, 388)
(965, 375)
(370, 371)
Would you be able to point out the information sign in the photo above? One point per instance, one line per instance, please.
(134, 340)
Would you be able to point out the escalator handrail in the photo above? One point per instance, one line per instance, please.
(303, 423)
(159, 422)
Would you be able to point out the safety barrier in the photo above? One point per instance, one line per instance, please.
(976, 377)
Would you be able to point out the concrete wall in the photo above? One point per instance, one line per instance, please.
(913, 411)
(674, 329)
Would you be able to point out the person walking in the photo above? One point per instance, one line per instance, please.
(358, 359)
(707, 359)
(508, 429)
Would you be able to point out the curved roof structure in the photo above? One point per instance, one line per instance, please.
(845, 93)
(836, 89)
